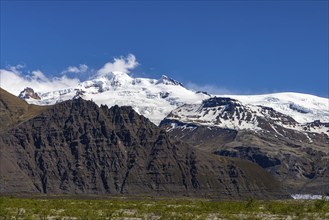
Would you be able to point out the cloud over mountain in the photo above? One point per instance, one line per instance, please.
(122, 64)
(14, 82)
(14, 79)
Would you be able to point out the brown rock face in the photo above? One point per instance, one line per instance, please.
(76, 147)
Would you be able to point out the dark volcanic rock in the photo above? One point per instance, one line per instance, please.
(78, 147)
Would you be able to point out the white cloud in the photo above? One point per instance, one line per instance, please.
(37, 75)
(15, 82)
(14, 79)
(122, 64)
(83, 68)
(17, 68)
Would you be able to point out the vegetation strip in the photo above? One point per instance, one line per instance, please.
(147, 208)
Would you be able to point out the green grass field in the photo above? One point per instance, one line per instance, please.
(159, 208)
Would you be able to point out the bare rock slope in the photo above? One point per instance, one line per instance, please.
(76, 147)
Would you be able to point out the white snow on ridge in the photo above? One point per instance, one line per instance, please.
(232, 114)
(209, 116)
(301, 107)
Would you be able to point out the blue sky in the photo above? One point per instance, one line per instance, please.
(246, 47)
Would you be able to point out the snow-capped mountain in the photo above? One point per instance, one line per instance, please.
(156, 98)
(285, 133)
(150, 97)
(232, 114)
(302, 107)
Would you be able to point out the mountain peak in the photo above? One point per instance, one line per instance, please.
(219, 101)
(28, 93)
(168, 81)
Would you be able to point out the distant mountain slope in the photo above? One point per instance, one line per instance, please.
(297, 154)
(155, 98)
(77, 147)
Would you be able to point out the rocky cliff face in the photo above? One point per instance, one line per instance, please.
(295, 153)
(76, 147)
